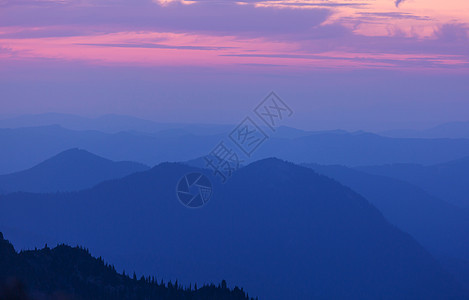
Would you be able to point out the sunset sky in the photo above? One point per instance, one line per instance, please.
(352, 64)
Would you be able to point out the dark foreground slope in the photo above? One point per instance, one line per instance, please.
(71, 170)
(72, 273)
(279, 230)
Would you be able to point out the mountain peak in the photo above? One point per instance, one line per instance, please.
(271, 161)
(71, 159)
(76, 153)
(273, 166)
(75, 150)
(71, 170)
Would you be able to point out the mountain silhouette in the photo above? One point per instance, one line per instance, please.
(454, 130)
(279, 230)
(109, 123)
(448, 181)
(72, 273)
(330, 147)
(441, 227)
(148, 149)
(71, 170)
(361, 148)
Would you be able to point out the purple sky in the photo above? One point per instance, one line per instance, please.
(372, 64)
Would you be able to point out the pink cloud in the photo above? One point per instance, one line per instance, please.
(226, 34)
(177, 49)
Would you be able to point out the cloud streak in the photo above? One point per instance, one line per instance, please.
(159, 46)
(225, 33)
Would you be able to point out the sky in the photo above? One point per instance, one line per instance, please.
(350, 64)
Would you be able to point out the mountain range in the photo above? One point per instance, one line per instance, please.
(448, 181)
(441, 227)
(71, 170)
(334, 147)
(279, 230)
(110, 123)
(453, 130)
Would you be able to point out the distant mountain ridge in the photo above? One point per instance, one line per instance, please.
(71, 170)
(334, 147)
(451, 130)
(113, 123)
(441, 227)
(123, 146)
(110, 123)
(72, 273)
(279, 230)
(448, 181)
